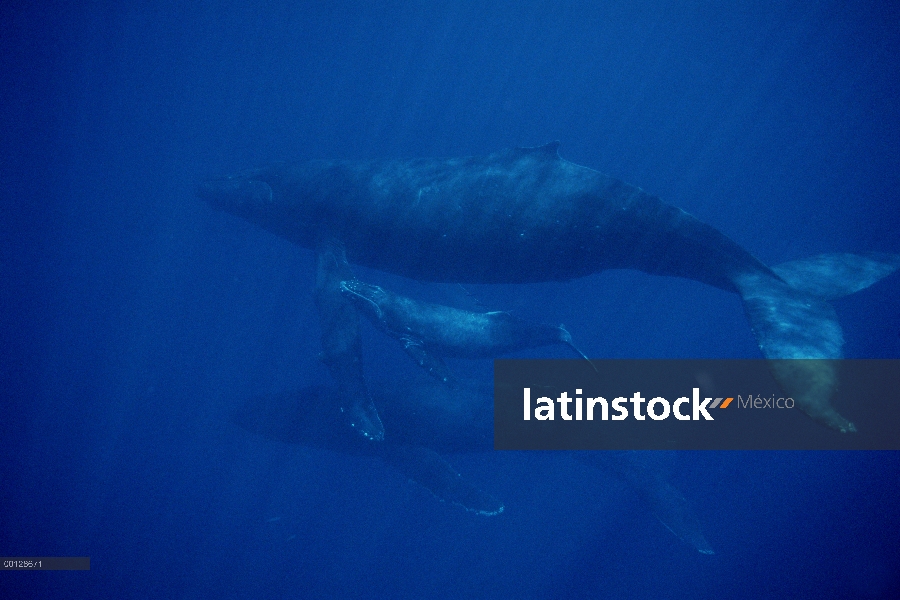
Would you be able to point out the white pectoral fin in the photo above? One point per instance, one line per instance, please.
(427, 468)
(432, 364)
(677, 515)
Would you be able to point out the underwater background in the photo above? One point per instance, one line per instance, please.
(134, 319)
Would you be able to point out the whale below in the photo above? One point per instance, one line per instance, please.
(526, 215)
(425, 420)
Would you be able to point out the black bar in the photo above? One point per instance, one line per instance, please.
(45, 563)
(760, 416)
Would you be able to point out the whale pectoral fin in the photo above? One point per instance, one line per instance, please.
(676, 514)
(643, 473)
(427, 468)
(432, 363)
(341, 344)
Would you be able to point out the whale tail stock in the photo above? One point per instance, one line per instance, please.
(790, 315)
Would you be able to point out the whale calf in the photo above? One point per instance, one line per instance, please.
(428, 331)
(526, 215)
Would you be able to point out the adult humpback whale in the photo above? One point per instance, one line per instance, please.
(426, 419)
(526, 215)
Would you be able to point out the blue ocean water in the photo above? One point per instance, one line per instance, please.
(134, 318)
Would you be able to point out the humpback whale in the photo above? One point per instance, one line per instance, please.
(425, 420)
(526, 215)
(429, 331)
(342, 348)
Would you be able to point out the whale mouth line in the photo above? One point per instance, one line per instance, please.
(348, 287)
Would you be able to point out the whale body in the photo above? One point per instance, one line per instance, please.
(429, 331)
(425, 420)
(526, 215)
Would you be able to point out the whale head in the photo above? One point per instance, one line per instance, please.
(367, 298)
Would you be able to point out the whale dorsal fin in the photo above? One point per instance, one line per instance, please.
(551, 150)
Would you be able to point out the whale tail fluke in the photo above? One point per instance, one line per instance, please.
(831, 276)
(789, 311)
